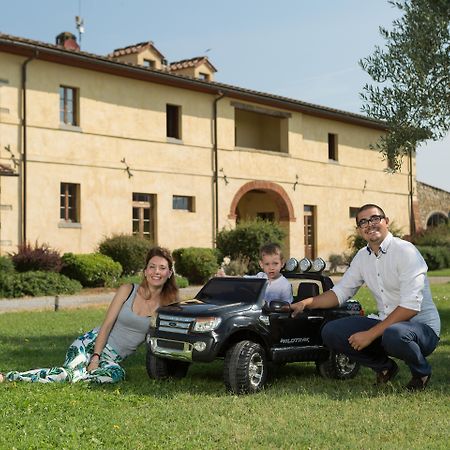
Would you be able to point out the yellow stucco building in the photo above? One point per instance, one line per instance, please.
(96, 145)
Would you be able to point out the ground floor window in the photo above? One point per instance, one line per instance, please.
(144, 215)
(183, 202)
(69, 205)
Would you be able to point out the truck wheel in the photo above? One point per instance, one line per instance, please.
(337, 366)
(160, 368)
(245, 368)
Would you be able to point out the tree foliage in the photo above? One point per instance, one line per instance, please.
(412, 73)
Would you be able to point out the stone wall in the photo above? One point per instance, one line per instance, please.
(431, 200)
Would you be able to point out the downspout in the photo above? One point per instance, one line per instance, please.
(220, 95)
(24, 146)
(412, 223)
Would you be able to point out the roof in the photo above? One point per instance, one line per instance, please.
(192, 62)
(135, 48)
(107, 64)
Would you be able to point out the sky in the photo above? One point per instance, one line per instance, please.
(303, 49)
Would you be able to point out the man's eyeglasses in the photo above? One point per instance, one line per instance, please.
(364, 223)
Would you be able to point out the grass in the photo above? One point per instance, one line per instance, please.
(297, 410)
(439, 273)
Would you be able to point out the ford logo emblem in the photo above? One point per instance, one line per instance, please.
(172, 324)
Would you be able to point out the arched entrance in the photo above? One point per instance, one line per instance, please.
(265, 200)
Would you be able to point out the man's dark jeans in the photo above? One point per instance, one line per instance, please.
(408, 341)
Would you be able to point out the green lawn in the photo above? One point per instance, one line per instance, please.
(298, 410)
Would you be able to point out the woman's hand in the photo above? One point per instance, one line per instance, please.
(93, 363)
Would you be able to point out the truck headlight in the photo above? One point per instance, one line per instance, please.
(305, 264)
(153, 320)
(291, 265)
(205, 324)
(318, 265)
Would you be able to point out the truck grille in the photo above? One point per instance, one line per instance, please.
(175, 324)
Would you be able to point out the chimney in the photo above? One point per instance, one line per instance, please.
(67, 40)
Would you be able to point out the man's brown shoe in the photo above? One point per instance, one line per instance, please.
(387, 375)
(417, 383)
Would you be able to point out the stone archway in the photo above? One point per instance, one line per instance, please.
(277, 194)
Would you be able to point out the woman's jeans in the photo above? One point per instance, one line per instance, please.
(408, 341)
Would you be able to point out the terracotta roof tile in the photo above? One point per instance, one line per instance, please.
(192, 62)
(135, 48)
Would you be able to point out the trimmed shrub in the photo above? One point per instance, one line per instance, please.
(36, 284)
(37, 258)
(182, 282)
(91, 270)
(130, 251)
(246, 239)
(6, 265)
(196, 264)
(433, 236)
(435, 257)
(235, 267)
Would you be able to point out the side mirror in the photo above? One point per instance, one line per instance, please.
(278, 306)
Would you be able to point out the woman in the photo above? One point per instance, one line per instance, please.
(95, 356)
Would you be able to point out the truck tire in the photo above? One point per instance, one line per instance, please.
(160, 368)
(245, 368)
(337, 366)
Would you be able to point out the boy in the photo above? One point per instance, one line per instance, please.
(271, 262)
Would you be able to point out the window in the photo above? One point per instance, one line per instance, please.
(173, 121)
(183, 202)
(260, 128)
(69, 205)
(144, 215)
(149, 63)
(352, 212)
(204, 76)
(332, 147)
(68, 105)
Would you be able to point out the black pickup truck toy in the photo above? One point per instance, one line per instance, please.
(229, 319)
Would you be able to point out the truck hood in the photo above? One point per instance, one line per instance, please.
(196, 308)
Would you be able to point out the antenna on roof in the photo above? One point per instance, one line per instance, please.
(80, 27)
(79, 22)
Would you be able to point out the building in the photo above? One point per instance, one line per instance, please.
(131, 143)
(434, 205)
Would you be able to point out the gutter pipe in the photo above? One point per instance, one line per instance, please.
(23, 236)
(220, 95)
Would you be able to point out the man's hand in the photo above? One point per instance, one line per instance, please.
(297, 308)
(361, 340)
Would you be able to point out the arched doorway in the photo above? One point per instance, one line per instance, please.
(265, 200)
(436, 218)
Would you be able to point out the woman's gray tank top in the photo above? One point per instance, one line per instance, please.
(130, 329)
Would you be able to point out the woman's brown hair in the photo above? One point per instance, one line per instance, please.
(169, 292)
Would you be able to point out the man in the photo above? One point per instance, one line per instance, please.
(407, 326)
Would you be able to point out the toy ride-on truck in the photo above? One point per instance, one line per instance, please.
(229, 319)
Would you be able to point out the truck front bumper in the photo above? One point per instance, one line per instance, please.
(196, 349)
